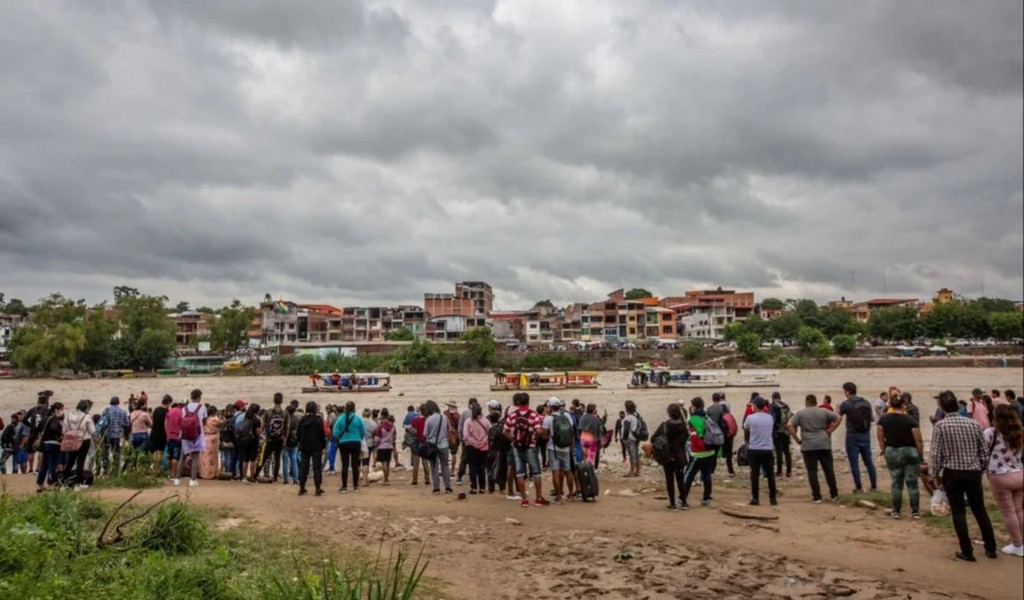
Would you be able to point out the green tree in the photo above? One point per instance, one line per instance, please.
(895, 323)
(123, 292)
(956, 319)
(230, 331)
(478, 343)
(809, 337)
(785, 327)
(749, 346)
(153, 347)
(857, 329)
(691, 350)
(146, 327)
(734, 330)
(181, 307)
(399, 334)
(13, 307)
(807, 311)
(994, 305)
(833, 320)
(638, 293)
(1007, 325)
(39, 349)
(822, 349)
(772, 304)
(844, 344)
(99, 336)
(755, 324)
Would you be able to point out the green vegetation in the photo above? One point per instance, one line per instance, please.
(230, 330)
(749, 346)
(844, 344)
(65, 545)
(637, 293)
(691, 350)
(400, 334)
(138, 471)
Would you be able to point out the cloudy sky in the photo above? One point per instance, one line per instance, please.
(364, 153)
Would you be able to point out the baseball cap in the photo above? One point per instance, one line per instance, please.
(945, 393)
(554, 401)
(239, 404)
(493, 404)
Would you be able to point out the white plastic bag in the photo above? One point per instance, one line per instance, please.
(940, 504)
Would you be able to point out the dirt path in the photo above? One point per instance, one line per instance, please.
(627, 544)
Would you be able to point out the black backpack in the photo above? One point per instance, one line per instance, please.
(641, 433)
(496, 439)
(860, 416)
(244, 434)
(275, 425)
(660, 450)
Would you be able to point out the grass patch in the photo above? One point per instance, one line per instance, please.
(881, 499)
(50, 547)
(939, 525)
(139, 471)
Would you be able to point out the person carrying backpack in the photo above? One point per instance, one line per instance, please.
(193, 440)
(706, 439)
(719, 411)
(780, 435)
(290, 456)
(557, 427)
(277, 433)
(521, 428)
(669, 443)
(634, 431)
(859, 415)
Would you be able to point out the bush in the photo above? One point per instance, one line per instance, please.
(809, 338)
(844, 344)
(691, 350)
(329, 581)
(749, 346)
(175, 528)
(822, 349)
(139, 470)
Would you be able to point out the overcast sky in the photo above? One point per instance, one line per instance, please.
(364, 153)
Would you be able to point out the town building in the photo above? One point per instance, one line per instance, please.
(286, 322)
(189, 327)
(9, 324)
(471, 299)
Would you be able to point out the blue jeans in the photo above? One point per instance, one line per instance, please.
(139, 440)
(332, 450)
(112, 444)
(527, 462)
(48, 470)
(227, 460)
(290, 458)
(859, 445)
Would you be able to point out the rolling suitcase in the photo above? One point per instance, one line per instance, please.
(588, 481)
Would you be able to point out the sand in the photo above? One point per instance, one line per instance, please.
(626, 545)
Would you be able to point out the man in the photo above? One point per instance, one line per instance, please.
(34, 419)
(630, 432)
(290, 455)
(760, 427)
(277, 423)
(859, 416)
(881, 405)
(815, 440)
(781, 414)
(911, 408)
(9, 444)
(158, 433)
(703, 458)
(311, 441)
(557, 427)
(463, 457)
(22, 433)
(521, 428)
(959, 455)
(717, 412)
(1018, 403)
(417, 428)
(997, 397)
(410, 414)
(172, 425)
(115, 420)
(453, 416)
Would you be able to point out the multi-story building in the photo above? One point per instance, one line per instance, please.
(412, 318)
(8, 325)
(741, 303)
(508, 326)
(285, 322)
(616, 319)
(471, 299)
(189, 327)
(861, 311)
(449, 328)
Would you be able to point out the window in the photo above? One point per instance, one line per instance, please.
(666, 329)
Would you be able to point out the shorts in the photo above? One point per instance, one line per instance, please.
(157, 444)
(384, 456)
(527, 459)
(21, 456)
(173, 449)
(364, 462)
(559, 459)
(249, 453)
(633, 451)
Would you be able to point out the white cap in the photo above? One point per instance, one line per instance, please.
(554, 401)
(493, 404)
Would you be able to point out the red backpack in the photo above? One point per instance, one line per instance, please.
(190, 425)
(730, 425)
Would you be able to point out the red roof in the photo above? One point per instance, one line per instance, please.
(324, 308)
(506, 316)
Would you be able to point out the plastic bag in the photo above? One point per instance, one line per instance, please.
(940, 503)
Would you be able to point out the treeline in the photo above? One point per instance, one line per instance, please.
(133, 332)
(822, 331)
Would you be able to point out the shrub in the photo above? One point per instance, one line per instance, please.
(822, 349)
(174, 528)
(844, 344)
(749, 346)
(808, 338)
(691, 350)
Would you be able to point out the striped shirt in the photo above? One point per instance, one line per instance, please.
(958, 444)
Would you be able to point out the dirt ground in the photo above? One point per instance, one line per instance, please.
(627, 545)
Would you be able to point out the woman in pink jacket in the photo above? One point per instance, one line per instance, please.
(474, 436)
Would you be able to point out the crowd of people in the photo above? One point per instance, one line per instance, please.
(507, 450)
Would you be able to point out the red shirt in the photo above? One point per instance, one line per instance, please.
(533, 418)
(827, 407)
(418, 422)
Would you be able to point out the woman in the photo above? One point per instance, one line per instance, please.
(415, 429)
(630, 430)
(676, 433)
(226, 440)
(209, 462)
(349, 430)
(591, 429)
(1005, 440)
(80, 423)
(50, 437)
(141, 422)
(192, 448)
(384, 439)
(312, 441)
(899, 437)
(435, 431)
(247, 442)
(474, 436)
(368, 446)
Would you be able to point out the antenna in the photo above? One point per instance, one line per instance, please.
(885, 284)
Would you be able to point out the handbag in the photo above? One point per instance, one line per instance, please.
(428, 450)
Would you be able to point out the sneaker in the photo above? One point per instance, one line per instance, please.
(672, 506)
(193, 483)
(755, 502)
(557, 501)
(895, 515)
(684, 506)
(1019, 551)
(319, 493)
(815, 500)
(343, 490)
(541, 502)
(773, 502)
(965, 557)
(437, 492)
(525, 503)
(706, 502)
(302, 492)
(414, 483)
(514, 498)
(176, 481)
(915, 516)
(458, 481)
(991, 554)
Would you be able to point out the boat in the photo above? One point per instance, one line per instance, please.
(348, 384)
(680, 379)
(755, 378)
(6, 374)
(114, 374)
(538, 380)
(581, 380)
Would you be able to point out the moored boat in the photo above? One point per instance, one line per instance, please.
(581, 380)
(537, 380)
(761, 378)
(348, 384)
(683, 379)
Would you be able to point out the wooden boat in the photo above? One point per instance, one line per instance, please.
(664, 378)
(351, 383)
(760, 378)
(539, 380)
(581, 380)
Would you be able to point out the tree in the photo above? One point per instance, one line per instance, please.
(39, 349)
(638, 293)
(895, 323)
(123, 292)
(479, 344)
(146, 328)
(807, 311)
(691, 350)
(99, 337)
(1007, 325)
(13, 307)
(734, 330)
(231, 329)
(153, 347)
(772, 304)
(844, 344)
(749, 346)
(785, 327)
(399, 334)
(958, 320)
(833, 320)
(994, 305)
(822, 349)
(181, 307)
(809, 337)
(755, 324)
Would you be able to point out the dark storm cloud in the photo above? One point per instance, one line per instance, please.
(371, 151)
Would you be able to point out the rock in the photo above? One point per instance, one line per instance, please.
(867, 504)
(512, 521)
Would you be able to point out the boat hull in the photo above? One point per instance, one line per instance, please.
(687, 386)
(753, 384)
(345, 390)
